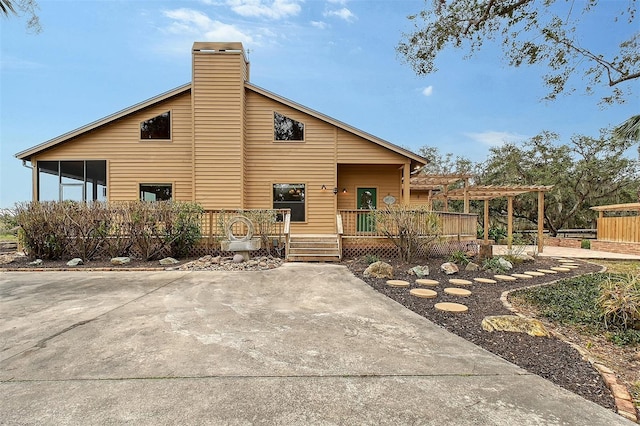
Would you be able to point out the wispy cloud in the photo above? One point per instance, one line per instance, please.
(8, 62)
(319, 24)
(427, 91)
(197, 25)
(275, 9)
(342, 13)
(493, 138)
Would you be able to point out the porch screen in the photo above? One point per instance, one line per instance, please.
(79, 180)
(290, 196)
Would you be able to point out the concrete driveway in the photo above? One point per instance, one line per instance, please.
(301, 344)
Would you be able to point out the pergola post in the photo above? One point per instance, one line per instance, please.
(466, 195)
(406, 184)
(509, 221)
(540, 221)
(486, 221)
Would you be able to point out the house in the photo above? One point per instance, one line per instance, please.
(227, 144)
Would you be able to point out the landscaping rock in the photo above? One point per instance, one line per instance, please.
(379, 270)
(514, 323)
(505, 264)
(472, 267)
(123, 260)
(168, 261)
(36, 262)
(449, 268)
(238, 258)
(75, 262)
(210, 263)
(419, 271)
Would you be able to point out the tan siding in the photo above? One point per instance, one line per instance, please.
(218, 88)
(354, 149)
(131, 161)
(310, 162)
(387, 179)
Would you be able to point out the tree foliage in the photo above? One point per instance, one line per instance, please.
(23, 7)
(546, 32)
(586, 172)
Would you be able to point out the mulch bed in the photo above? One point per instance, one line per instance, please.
(550, 357)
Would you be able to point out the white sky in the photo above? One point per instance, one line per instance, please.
(94, 58)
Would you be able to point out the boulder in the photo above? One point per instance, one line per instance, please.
(74, 262)
(419, 271)
(168, 261)
(516, 324)
(379, 270)
(238, 258)
(36, 262)
(472, 267)
(505, 264)
(449, 268)
(122, 260)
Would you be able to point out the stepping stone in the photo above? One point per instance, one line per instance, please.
(458, 281)
(451, 307)
(547, 271)
(397, 283)
(560, 269)
(423, 293)
(534, 273)
(454, 291)
(566, 261)
(566, 265)
(523, 276)
(424, 281)
(485, 280)
(504, 277)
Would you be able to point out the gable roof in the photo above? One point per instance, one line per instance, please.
(341, 125)
(28, 153)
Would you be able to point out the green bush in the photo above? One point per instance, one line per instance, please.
(585, 244)
(460, 257)
(371, 258)
(493, 264)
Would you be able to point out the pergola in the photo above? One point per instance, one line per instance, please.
(436, 186)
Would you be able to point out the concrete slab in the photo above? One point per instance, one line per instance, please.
(297, 345)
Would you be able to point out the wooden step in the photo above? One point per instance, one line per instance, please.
(314, 248)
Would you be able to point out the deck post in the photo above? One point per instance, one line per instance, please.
(486, 221)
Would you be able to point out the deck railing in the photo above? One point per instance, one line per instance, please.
(360, 223)
(624, 229)
(267, 223)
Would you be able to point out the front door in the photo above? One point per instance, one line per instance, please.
(366, 200)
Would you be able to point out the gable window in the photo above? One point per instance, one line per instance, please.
(290, 196)
(77, 180)
(156, 128)
(155, 191)
(287, 129)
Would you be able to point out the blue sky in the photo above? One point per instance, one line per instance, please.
(94, 58)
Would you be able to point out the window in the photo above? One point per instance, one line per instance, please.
(287, 129)
(78, 180)
(158, 127)
(290, 196)
(155, 191)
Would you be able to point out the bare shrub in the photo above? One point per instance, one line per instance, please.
(43, 228)
(412, 231)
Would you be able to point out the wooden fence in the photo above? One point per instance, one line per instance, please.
(619, 229)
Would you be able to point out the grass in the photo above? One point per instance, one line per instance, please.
(621, 266)
(8, 237)
(574, 302)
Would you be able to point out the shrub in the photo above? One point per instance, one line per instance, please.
(264, 222)
(371, 258)
(410, 230)
(43, 226)
(494, 265)
(619, 301)
(460, 257)
(585, 244)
